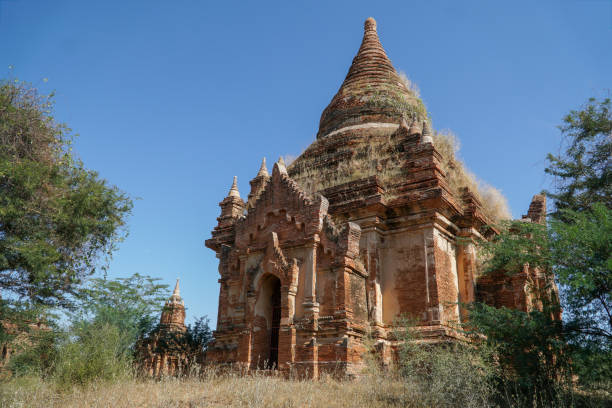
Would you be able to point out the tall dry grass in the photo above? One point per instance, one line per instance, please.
(410, 85)
(379, 155)
(458, 176)
(423, 377)
(227, 390)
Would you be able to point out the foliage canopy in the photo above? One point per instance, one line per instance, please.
(574, 249)
(583, 172)
(132, 305)
(57, 218)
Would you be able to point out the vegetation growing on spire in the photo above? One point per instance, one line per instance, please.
(458, 177)
(401, 105)
(411, 86)
(403, 98)
(379, 155)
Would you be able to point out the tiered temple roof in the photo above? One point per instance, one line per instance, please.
(360, 229)
(369, 92)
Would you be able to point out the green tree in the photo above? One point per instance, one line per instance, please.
(442, 374)
(132, 305)
(531, 345)
(35, 350)
(541, 351)
(108, 318)
(58, 220)
(581, 254)
(532, 352)
(574, 250)
(583, 172)
(199, 334)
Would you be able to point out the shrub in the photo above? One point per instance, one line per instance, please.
(95, 352)
(445, 374)
(35, 353)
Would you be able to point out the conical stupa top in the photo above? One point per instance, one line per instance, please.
(426, 130)
(176, 294)
(263, 171)
(234, 190)
(370, 84)
(414, 128)
(371, 62)
(427, 138)
(177, 291)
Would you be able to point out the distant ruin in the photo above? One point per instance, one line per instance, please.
(166, 351)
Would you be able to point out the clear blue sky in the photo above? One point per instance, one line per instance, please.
(173, 98)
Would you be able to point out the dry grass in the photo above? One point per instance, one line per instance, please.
(379, 155)
(458, 177)
(411, 86)
(215, 391)
(448, 383)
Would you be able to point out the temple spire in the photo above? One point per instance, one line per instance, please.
(427, 133)
(177, 291)
(263, 171)
(173, 314)
(234, 190)
(280, 166)
(176, 294)
(258, 184)
(232, 207)
(369, 24)
(414, 129)
(371, 62)
(369, 90)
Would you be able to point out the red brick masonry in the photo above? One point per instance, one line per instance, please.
(306, 272)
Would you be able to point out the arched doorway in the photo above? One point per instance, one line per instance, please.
(267, 322)
(275, 301)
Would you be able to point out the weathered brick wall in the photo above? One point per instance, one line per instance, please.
(326, 289)
(523, 289)
(360, 229)
(446, 278)
(260, 342)
(358, 297)
(406, 276)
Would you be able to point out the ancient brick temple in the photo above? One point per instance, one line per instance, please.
(361, 228)
(162, 353)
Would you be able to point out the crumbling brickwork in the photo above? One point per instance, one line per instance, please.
(518, 290)
(360, 229)
(165, 351)
(18, 337)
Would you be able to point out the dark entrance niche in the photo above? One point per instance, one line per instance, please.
(275, 301)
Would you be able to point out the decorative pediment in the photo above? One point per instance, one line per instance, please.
(284, 214)
(281, 201)
(276, 263)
